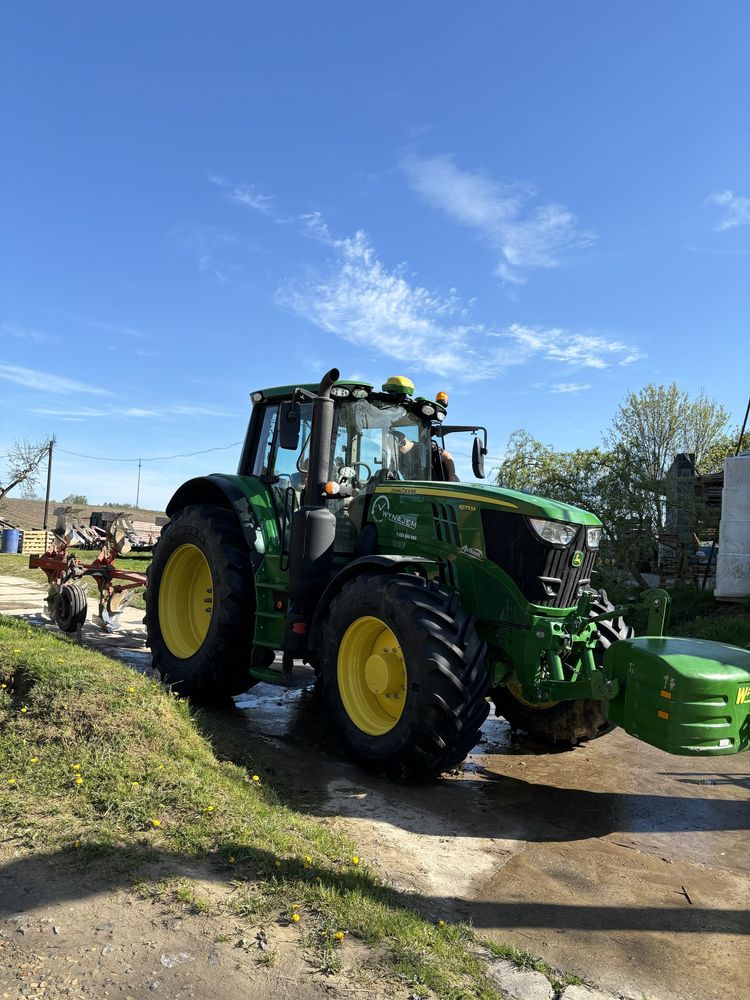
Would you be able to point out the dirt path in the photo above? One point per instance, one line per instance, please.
(614, 861)
(85, 939)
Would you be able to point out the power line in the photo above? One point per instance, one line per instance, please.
(158, 458)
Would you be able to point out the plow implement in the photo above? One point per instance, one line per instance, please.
(67, 600)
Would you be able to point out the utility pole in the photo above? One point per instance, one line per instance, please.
(49, 480)
(138, 488)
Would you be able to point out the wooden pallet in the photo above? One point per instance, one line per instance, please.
(34, 543)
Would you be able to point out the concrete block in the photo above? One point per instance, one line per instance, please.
(519, 984)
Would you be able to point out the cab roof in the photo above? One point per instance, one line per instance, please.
(282, 391)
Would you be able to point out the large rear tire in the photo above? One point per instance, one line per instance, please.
(404, 677)
(565, 723)
(200, 604)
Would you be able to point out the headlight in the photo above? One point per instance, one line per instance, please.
(554, 532)
(339, 391)
(593, 537)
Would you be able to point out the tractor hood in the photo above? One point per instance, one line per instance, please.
(494, 497)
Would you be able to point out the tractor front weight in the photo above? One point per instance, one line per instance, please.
(685, 696)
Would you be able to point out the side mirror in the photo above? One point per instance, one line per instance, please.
(290, 421)
(477, 458)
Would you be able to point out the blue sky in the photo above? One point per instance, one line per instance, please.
(536, 206)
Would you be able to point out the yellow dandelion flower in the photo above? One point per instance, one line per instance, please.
(24, 709)
(209, 809)
(131, 690)
(79, 780)
(155, 822)
(355, 859)
(441, 923)
(16, 650)
(34, 760)
(12, 781)
(76, 767)
(3, 686)
(295, 918)
(135, 784)
(339, 935)
(256, 778)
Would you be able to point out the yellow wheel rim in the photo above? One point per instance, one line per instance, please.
(371, 676)
(517, 691)
(185, 601)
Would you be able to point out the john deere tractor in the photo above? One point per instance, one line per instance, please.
(416, 600)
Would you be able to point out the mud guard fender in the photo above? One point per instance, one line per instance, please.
(365, 564)
(232, 493)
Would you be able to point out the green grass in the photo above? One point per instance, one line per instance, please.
(101, 765)
(17, 565)
(734, 629)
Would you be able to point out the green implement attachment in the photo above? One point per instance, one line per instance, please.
(685, 696)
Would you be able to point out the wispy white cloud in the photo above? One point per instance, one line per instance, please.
(246, 195)
(205, 243)
(363, 302)
(563, 347)
(47, 381)
(511, 218)
(570, 388)
(25, 333)
(130, 412)
(120, 331)
(722, 251)
(734, 209)
(360, 300)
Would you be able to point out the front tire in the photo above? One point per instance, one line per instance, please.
(565, 723)
(404, 677)
(200, 604)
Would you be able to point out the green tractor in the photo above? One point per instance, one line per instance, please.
(415, 599)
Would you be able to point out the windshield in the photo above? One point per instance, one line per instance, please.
(374, 438)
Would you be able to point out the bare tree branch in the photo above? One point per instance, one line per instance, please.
(23, 460)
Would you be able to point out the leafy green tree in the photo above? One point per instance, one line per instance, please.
(625, 483)
(76, 499)
(723, 447)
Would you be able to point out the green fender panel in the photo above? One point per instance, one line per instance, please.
(247, 496)
(251, 501)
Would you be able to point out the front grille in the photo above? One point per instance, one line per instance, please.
(542, 573)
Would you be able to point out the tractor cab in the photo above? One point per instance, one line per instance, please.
(374, 437)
